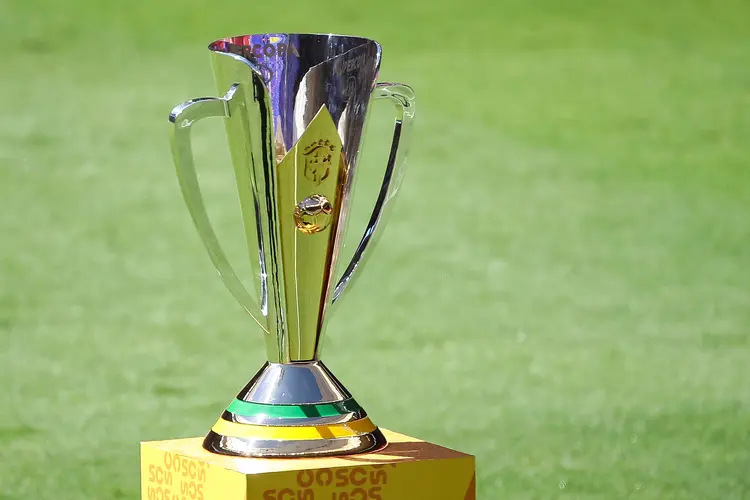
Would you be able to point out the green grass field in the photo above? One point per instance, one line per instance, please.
(563, 289)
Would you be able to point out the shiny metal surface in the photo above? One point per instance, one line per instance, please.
(403, 98)
(309, 257)
(294, 448)
(294, 384)
(289, 99)
(294, 108)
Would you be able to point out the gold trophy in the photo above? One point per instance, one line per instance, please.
(294, 108)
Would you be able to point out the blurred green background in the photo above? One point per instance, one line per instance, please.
(563, 289)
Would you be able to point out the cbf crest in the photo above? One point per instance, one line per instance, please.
(318, 157)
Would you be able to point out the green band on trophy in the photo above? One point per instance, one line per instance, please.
(247, 409)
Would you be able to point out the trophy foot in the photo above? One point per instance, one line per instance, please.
(279, 448)
(294, 410)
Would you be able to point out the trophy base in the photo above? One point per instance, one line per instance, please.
(294, 410)
(279, 448)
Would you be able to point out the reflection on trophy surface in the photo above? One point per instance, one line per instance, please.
(294, 108)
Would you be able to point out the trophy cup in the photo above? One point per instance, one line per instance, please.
(294, 109)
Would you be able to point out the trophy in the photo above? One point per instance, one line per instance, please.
(294, 109)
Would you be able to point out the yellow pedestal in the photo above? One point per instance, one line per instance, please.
(407, 469)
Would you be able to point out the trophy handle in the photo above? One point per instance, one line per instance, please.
(404, 99)
(182, 118)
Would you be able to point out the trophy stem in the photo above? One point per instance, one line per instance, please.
(294, 410)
